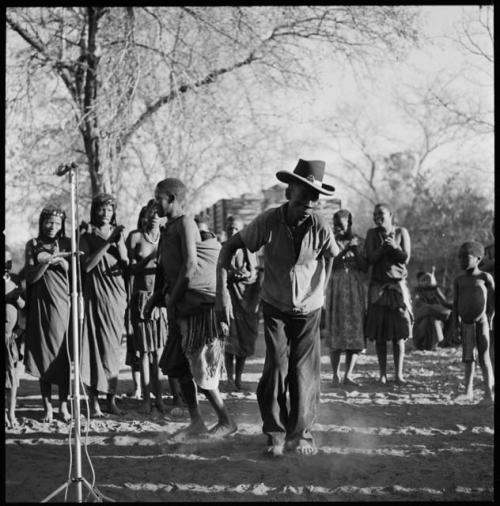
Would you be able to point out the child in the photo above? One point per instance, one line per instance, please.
(194, 349)
(432, 313)
(473, 307)
(13, 303)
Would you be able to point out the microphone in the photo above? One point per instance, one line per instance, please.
(64, 168)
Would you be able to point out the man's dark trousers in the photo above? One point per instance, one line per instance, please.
(293, 361)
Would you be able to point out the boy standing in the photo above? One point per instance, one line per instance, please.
(194, 349)
(473, 305)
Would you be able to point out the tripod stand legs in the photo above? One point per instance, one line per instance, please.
(98, 497)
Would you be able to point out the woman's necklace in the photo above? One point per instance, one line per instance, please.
(151, 240)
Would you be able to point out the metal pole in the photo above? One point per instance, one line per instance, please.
(76, 355)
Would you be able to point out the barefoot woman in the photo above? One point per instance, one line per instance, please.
(47, 292)
(149, 334)
(104, 262)
(389, 316)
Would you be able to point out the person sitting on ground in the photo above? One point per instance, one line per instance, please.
(473, 310)
(185, 284)
(432, 313)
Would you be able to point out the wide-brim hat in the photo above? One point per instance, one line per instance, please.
(308, 172)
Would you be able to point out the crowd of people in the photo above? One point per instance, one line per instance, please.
(189, 304)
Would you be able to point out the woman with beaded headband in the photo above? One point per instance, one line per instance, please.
(149, 334)
(104, 261)
(48, 308)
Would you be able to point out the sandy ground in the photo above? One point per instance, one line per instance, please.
(416, 442)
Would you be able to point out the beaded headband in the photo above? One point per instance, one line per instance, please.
(52, 211)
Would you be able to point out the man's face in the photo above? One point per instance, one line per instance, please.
(467, 260)
(164, 203)
(302, 199)
(51, 226)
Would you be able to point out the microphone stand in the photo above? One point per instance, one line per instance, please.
(76, 317)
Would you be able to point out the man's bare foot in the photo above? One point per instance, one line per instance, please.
(305, 447)
(275, 450)
(64, 412)
(7, 421)
(275, 446)
(48, 416)
(197, 428)
(383, 379)
(469, 395)
(222, 430)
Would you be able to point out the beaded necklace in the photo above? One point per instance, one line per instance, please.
(149, 239)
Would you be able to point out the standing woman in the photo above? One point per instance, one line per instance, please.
(345, 298)
(104, 262)
(48, 309)
(150, 334)
(389, 316)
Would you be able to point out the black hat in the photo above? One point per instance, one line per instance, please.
(309, 172)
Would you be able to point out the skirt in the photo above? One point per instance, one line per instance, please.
(149, 334)
(388, 317)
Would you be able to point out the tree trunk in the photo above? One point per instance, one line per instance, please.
(90, 121)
